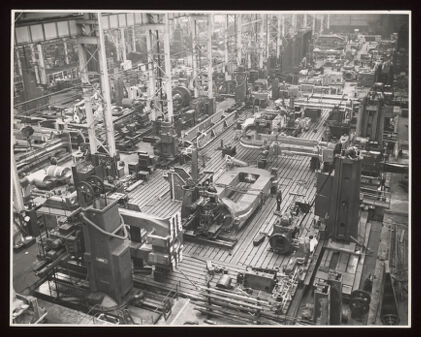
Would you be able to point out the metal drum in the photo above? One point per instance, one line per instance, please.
(59, 172)
(39, 179)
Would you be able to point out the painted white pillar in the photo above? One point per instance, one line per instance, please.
(266, 21)
(194, 57)
(328, 22)
(41, 63)
(17, 55)
(314, 23)
(123, 44)
(283, 25)
(294, 22)
(278, 36)
(321, 23)
(151, 73)
(134, 38)
(261, 44)
(17, 190)
(239, 38)
(66, 52)
(35, 64)
(168, 75)
(226, 46)
(87, 94)
(305, 20)
(210, 63)
(105, 84)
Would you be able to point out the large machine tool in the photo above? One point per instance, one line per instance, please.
(107, 251)
(338, 197)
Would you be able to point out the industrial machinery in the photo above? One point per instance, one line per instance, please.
(166, 146)
(371, 117)
(338, 197)
(338, 124)
(212, 207)
(283, 234)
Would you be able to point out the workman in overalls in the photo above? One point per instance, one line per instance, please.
(278, 200)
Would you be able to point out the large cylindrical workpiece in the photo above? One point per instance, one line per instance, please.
(281, 242)
(59, 172)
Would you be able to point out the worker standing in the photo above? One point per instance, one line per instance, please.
(278, 200)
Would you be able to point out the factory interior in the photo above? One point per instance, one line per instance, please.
(210, 168)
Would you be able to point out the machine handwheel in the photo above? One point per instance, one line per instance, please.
(86, 193)
(97, 184)
(360, 301)
(361, 294)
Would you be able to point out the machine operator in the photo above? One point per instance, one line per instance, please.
(278, 200)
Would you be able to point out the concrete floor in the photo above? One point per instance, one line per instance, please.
(23, 276)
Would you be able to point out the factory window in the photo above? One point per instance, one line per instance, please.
(130, 19)
(50, 30)
(63, 28)
(122, 20)
(22, 35)
(37, 33)
(105, 22)
(113, 21)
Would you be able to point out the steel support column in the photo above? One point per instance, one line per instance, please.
(105, 84)
(17, 191)
(86, 94)
(239, 39)
(151, 73)
(226, 46)
(321, 23)
(41, 64)
(66, 52)
(294, 22)
(167, 56)
(266, 21)
(194, 57)
(278, 37)
(283, 25)
(261, 45)
(35, 63)
(123, 44)
(133, 38)
(210, 61)
(314, 23)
